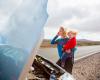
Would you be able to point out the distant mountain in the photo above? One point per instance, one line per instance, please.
(80, 42)
(83, 40)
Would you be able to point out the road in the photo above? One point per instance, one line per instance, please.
(84, 51)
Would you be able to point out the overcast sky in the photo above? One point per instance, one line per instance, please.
(83, 15)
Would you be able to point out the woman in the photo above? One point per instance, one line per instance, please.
(60, 42)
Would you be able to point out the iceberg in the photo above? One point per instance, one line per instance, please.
(21, 32)
(26, 24)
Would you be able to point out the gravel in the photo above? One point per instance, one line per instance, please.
(87, 68)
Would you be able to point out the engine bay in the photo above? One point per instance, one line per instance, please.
(44, 69)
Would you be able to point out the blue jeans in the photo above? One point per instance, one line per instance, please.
(65, 56)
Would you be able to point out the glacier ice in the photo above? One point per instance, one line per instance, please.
(25, 25)
(22, 23)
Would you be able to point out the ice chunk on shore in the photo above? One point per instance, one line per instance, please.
(21, 27)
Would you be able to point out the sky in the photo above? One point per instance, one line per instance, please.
(83, 15)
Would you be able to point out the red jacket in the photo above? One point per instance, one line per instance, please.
(70, 44)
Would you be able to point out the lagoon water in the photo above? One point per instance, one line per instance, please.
(52, 54)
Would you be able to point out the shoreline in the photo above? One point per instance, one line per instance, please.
(87, 68)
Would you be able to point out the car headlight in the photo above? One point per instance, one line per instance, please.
(66, 76)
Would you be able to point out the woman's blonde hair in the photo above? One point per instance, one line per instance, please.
(73, 31)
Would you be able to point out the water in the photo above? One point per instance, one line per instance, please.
(52, 53)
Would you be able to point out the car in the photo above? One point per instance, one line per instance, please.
(43, 69)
